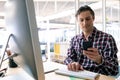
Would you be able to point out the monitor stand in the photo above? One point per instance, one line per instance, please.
(7, 37)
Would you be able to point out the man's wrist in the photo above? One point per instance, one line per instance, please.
(99, 60)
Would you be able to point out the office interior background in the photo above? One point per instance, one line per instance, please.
(57, 24)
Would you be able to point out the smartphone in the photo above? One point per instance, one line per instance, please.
(87, 44)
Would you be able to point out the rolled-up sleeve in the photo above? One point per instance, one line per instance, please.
(110, 64)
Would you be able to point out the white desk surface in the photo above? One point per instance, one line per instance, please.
(53, 76)
(20, 74)
(16, 74)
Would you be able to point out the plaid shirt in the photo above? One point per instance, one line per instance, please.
(106, 46)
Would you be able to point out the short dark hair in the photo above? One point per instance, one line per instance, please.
(85, 8)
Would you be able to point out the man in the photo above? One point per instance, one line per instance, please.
(101, 57)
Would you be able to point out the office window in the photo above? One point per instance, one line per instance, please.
(113, 20)
(55, 20)
(2, 21)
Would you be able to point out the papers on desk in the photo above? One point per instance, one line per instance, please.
(81, 74)
(118, 78)
(49, 66)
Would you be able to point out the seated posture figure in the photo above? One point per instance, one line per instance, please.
(101, 57)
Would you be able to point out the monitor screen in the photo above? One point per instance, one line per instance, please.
(21, 23)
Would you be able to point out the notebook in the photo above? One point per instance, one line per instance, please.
(80, 74)
(49, 66)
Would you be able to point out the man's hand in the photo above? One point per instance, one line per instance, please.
(93, 54)
(74, 66)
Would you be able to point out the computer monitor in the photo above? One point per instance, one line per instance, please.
(21, 23)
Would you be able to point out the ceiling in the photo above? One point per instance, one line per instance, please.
(56, 11)
(60, 12)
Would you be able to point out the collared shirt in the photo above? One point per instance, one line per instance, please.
(106, 46)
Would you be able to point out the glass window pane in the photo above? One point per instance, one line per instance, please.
(113, 20)
(55, 21)
(2, 15)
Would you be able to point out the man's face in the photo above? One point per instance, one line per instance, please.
(85, 21)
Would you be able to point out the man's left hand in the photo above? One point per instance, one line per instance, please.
(93, 54)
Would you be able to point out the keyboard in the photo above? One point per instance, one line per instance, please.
(80, 74)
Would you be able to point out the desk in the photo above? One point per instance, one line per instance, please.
(53, 76)
(18, 73)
